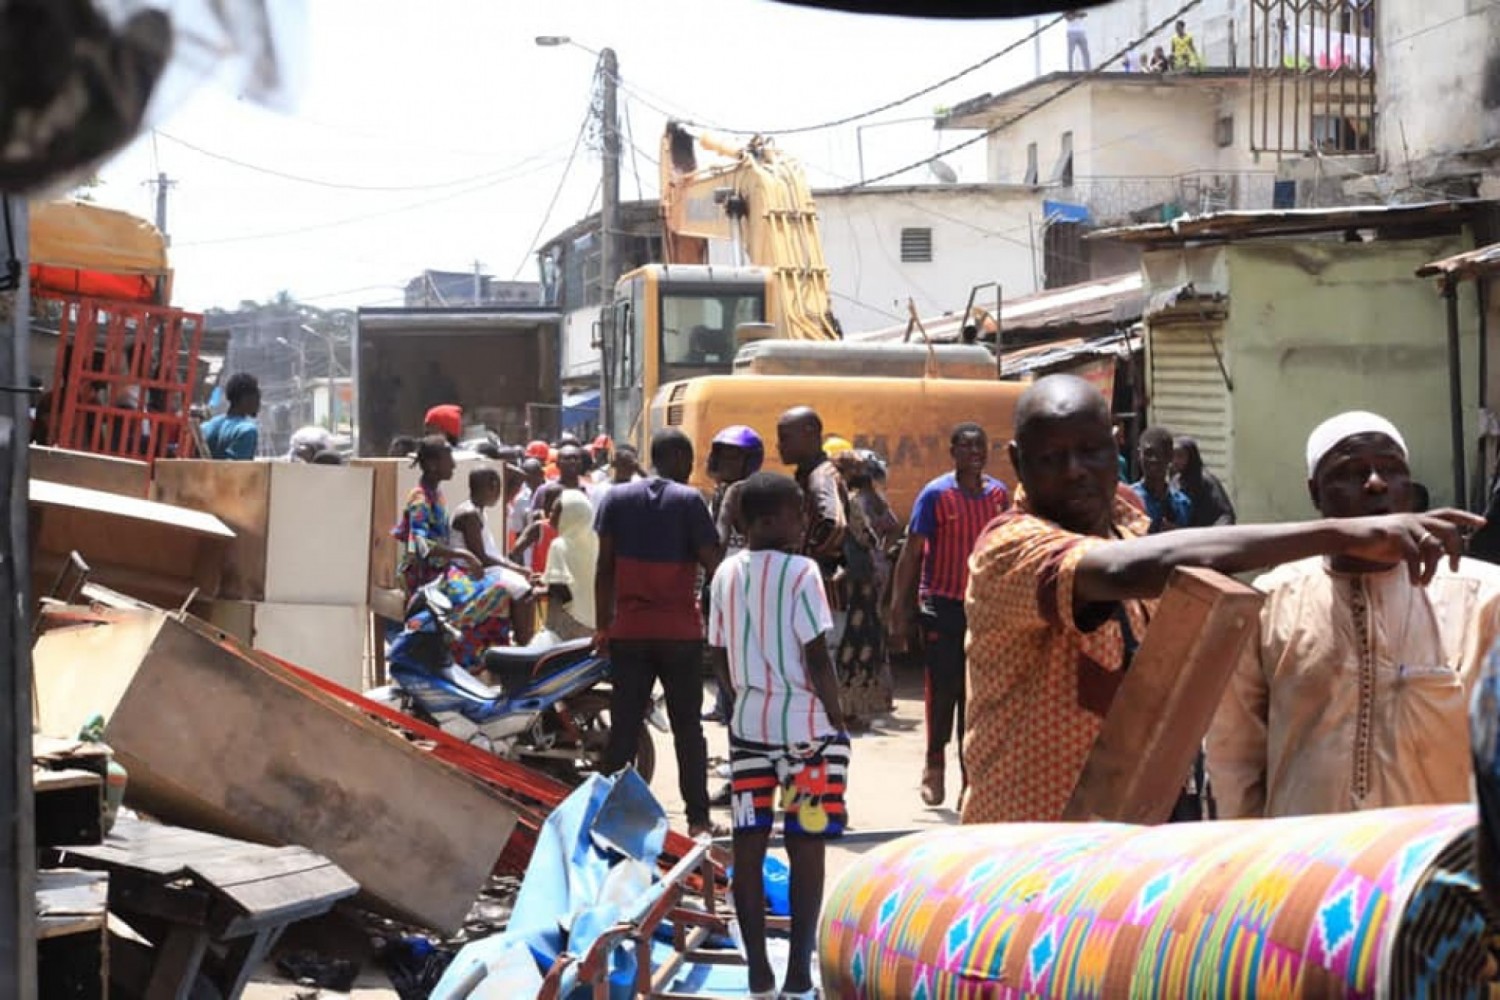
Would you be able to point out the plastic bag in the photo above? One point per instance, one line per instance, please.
(79, 79)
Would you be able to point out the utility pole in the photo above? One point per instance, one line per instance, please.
(162, 183)
(478, 282)
(1036, 48)
(609, 199)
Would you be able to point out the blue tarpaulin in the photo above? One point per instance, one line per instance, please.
(1062, 211)
(580, 408)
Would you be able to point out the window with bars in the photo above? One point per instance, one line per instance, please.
(916, 246)
(1312, 75)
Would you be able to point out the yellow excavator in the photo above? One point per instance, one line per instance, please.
(671, 335)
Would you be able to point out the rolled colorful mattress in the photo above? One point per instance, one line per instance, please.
(1374, 904)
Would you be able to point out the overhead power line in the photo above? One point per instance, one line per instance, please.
(1060, 92)
(341, 185)
(366, 216)
(849, 119)
(562, 181)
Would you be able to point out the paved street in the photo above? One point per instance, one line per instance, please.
(883, 795)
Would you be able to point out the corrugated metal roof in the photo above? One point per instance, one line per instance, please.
(1105, 301)
(1481, 263)
(1290, 221)
(1024, 361)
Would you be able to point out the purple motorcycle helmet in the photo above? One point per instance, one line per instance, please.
(741, 437)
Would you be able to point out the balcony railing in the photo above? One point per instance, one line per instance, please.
(1123, 200)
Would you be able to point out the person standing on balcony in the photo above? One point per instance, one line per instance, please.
(1078, 41)
(1185, 55)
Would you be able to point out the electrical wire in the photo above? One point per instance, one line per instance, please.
(849, 119)
(1082, 78)
(635, 163)
(364, 217)
(339, 185)
(562, 181)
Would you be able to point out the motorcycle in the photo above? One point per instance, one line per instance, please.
(547, 710)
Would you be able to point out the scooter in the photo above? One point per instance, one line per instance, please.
(548, 709)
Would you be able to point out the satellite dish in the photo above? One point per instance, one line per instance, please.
(944, 173)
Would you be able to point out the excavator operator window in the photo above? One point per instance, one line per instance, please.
(698, 330)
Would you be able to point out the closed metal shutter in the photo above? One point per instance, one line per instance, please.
(1188, 394)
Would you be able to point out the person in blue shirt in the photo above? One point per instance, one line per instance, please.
(234, 435)
(1167, 506)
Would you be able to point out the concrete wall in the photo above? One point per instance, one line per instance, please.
(1317, 327)
(977, 236)
(1438, 84)
(1006, 150)
(1166, 130)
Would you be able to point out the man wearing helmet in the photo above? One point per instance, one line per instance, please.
(735, 455)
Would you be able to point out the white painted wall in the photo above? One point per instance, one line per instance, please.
(1438, 82)
(978, 234)
(579, 359)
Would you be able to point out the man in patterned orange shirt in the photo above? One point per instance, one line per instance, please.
(1062, 588)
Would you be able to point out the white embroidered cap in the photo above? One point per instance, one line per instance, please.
(1327, 435)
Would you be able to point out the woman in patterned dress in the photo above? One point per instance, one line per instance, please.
(481, 604)
(865, 684)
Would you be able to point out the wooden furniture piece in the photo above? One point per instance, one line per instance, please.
(68, 779)
(126, 477)
(72, 952)
(192, 890)
(154, 551)
(302, 532)
(1164, 706)
(222, 738)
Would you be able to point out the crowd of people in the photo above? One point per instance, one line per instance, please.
(1026, 602)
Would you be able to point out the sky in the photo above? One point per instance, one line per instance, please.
(435, 135)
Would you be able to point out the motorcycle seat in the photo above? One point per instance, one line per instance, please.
(513, 666)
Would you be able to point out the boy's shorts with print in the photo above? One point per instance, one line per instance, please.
(807, 780)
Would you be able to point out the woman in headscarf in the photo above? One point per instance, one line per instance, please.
(865, 685)
(1211, 506)
(430, 554)
(569, 573)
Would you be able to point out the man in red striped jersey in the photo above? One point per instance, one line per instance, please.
(948, 516)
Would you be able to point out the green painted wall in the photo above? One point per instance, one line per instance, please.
(1316, 327)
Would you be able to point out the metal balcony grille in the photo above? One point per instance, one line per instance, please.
(1312, 76)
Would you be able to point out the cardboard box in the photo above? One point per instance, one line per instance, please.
(302, 530)
(1162, 711)
(219, 738)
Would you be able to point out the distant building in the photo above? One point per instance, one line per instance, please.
(455, 289)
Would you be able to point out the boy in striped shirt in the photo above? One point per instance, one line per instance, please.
(787, 739)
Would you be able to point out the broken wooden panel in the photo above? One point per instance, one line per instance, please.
(328, 639)
(1163, 708)
(72, 957)
(153, 551)
(220, 738)
(106, 473)
(302, 530)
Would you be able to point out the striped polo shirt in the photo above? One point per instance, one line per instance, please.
(765, 606)
(950, 520)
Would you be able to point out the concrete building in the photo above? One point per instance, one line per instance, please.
(1261, 325)
(451, 289)
(931, 244)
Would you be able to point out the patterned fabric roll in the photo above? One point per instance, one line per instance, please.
(1374, 904)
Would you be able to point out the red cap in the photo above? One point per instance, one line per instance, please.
(537, 450)
(448, 418)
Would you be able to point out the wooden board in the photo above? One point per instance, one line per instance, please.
(385, 508)
(153, 551)
(1163, 708)
(327, 639)
(70, 902)
(254, 753)
(238, 493)
(105, 473)
(303, 530)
